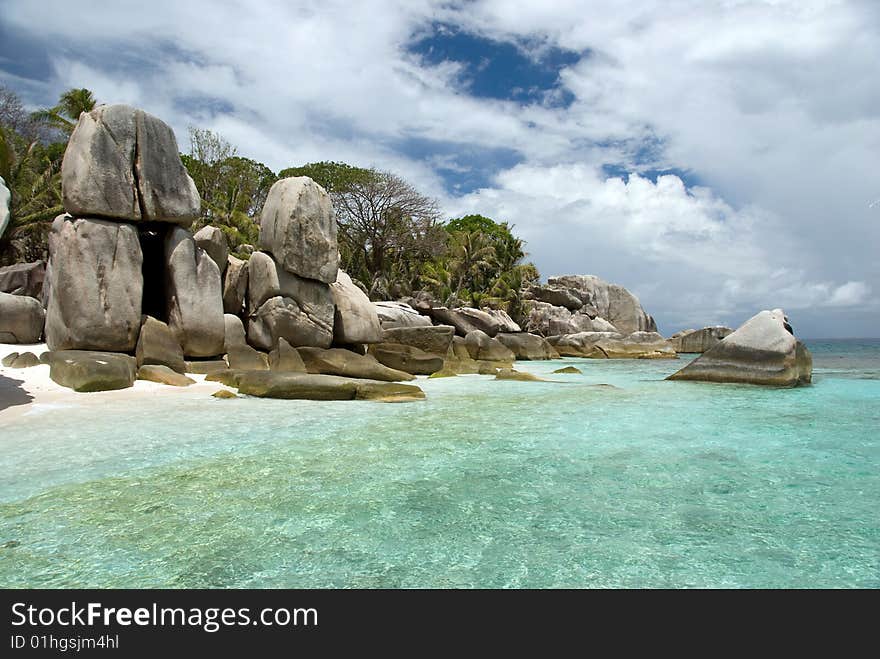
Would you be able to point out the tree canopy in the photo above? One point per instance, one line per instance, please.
(392, 238)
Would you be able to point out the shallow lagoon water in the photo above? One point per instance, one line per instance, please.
(644, 483)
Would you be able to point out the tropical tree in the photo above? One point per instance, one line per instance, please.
(233, 188)
(65, 113)
(32, 172)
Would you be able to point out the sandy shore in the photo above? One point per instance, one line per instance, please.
(26, 391)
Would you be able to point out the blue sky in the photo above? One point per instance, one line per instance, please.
(716, 158)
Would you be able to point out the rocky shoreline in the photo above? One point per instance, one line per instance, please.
(130, 294)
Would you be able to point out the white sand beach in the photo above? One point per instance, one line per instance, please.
(25, 391)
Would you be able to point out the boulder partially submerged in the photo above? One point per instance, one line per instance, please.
(307, 386)
(763, 351)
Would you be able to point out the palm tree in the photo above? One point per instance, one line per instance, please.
(33, 175)
(66, 113)
(472, 255)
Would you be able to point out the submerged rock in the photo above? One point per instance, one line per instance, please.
(569, 370)
(341, 362)
(21, 319)
(763, 350)
(268, 384)
(87, 371)
(163, 375)
(511, 374)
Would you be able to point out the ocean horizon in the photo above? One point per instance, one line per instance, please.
(614, 478)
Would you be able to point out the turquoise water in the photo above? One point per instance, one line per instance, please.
(644, 483)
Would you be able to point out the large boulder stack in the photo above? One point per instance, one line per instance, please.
(567, 304)
(124, 243)
(698, 341)
(289, 294)
(763, 351)
(284, 305)
(123, 164)
(298, 227)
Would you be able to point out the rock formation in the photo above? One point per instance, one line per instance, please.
(355, 319)
(96, 285)
(23, 279)
(284, 305)
(5, 198)
(124, 164)
(212, 240)
(763, 350)
(568, 304)
(694, 341)
(195, 296)
(84, 370)
(298, 227)
(123, 249)
(399, 314)
(21, 319)
(612, 345)
(235, 283)
(528, 346)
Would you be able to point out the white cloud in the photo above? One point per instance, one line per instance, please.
(775, 107)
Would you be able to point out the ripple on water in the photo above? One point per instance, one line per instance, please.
(484, 484)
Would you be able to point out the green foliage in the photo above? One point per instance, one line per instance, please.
(334, 177)
(65, 114)
(233, 188)
(32, 172)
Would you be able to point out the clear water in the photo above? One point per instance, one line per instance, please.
(485, 484)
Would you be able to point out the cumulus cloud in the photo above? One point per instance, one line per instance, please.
(772, 107)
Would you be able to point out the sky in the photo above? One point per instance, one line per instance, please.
(716, 157)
